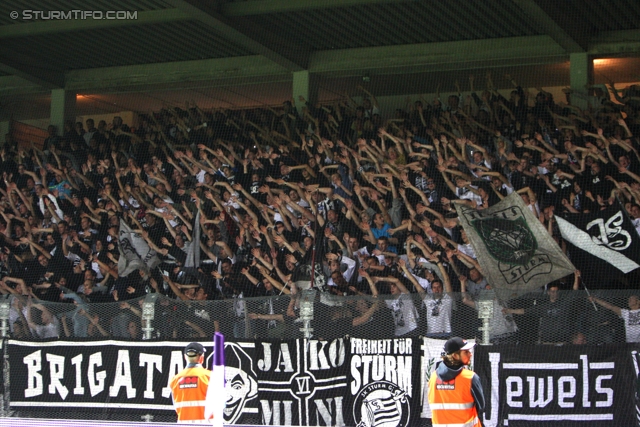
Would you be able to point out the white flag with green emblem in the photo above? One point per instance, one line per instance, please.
(514, 249)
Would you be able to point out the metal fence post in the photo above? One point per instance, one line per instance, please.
(5, 307)
(148, 313)
(307, 302)
(5, 330)
(485, 312)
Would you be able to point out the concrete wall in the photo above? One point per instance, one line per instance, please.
(4, 130)
(388, 104)
(128, 117)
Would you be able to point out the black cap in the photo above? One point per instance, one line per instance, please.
(194, 349)
(456, 344)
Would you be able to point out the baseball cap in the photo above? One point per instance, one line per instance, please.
(193, 349)
(456, 344)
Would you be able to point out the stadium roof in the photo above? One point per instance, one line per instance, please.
(240, 53)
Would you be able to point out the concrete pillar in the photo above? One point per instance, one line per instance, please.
(581, 75)
(63, 107)
(305, 85)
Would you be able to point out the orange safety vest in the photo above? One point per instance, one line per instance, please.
(451, 402)
(189, 391)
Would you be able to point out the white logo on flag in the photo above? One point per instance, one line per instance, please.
(381, 404)
(612, 235)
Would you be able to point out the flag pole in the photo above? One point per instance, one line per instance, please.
(315, 242)
(215, 400)
(595, 307)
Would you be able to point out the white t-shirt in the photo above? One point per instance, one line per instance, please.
(14, 316)
(50, 330)
(500, 324)
(96, 267)
(173, 221)
(466, 194)
(405, 315)
(438, 314)
(351, 267)
(233, 201)
(132, 201)
(371, 112)
(363, 252)
(506, 187)
(239, 305)
(631, 324)
(468, 250)
(424, 283)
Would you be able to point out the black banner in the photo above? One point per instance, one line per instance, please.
(296, 382)
(547, 385)
(120, 377)
(302, 382)
(384, 382)
(347, 381)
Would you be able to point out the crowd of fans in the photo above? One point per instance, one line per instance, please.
(271, 199)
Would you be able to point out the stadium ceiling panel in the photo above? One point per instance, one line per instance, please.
(158, 45)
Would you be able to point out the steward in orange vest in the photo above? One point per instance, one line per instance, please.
(189, 387)
(455, 393)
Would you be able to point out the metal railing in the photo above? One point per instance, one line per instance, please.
(533, 318)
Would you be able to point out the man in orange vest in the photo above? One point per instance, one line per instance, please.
(455, 393)
(189, 387)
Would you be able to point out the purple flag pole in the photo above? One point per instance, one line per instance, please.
(218, 344)
(216, 395)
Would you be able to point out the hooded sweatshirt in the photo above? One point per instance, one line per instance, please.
(445, 373)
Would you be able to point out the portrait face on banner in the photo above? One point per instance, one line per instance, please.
(241, 385)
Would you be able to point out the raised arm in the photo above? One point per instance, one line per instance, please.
(615, 309)
(412, 279)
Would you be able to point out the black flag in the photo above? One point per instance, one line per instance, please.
(603, 245)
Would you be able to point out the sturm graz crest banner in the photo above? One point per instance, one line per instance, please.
(515, 251)
(571, 385)
(384, 382)
(604, 244)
